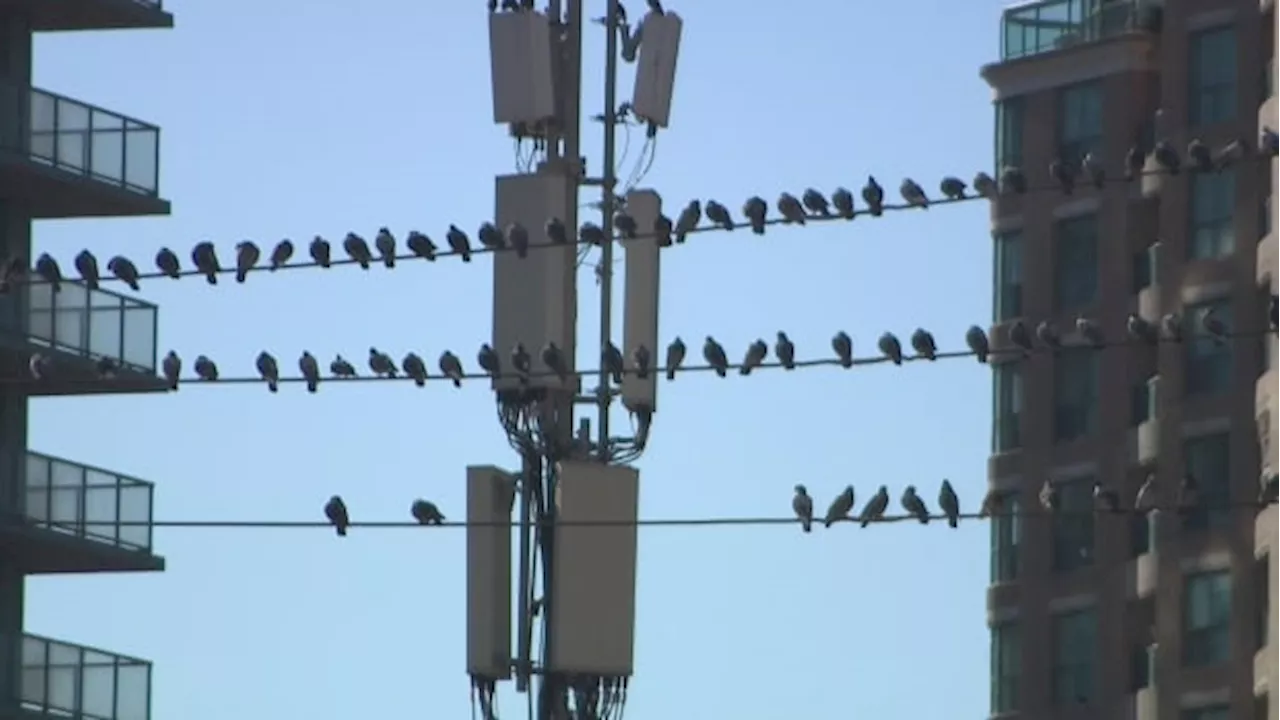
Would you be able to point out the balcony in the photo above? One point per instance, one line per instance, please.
(1144, 436)
(52, 15)
(77, 519)
(76, 328)
(61, 680)
(61, 158)
(1042, 27)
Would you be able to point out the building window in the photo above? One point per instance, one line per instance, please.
(1212, 215)
(1007, 303)
(1212, 74)
(1079, 121)
(1010, 114)
(1208, 460)
(1075, 255)
(1140, 529)
(1074, 639)
(1073, 527)
(1006, 537)
(1208, 712)
(1208, 361)
(1075, 393)
(1007, 411)
(1206, 613)
(1006, 661)
(1142, 401)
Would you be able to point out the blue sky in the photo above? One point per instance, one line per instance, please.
(291, 118)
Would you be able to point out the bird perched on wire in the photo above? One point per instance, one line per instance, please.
(914, 506)
(875, 508)
(426, 513)
(280, 255)
(87, 265)
(791, 209)
(415, 368)
(802, 504)
(247, 254)
(206, 369)
(719, 214)
(310, 370)
(923, 344)
(336, 511)
(676, 352)
(269, 370)
(357, 249)
(976, 338)
(171, 367)
(873, 196)
(840, 507)
(755, 355)
(890, 347)
(756, 210)
(451, 367)
(321, 252)
(913, 194)
(713, 353)
(785, 350)
(125, 271)
(168, 264)
(949, 502)
(342, 368)
(688, 220)
(205, 257)
(385, 243)
(381, 364)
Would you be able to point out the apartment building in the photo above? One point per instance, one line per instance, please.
(65, 158)
(1170, 616)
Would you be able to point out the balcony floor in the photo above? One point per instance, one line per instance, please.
(51, 193)
(54, 15)
(72, 375)
(37, 550)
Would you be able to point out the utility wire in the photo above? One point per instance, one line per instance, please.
(994, 355)
(669, 522)
(31, 277)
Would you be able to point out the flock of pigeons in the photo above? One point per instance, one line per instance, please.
(519, 363)
(810, 205)
(424, 512)
(1105, 501)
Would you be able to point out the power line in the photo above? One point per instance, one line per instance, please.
(992, 354)
(590, 235)
(669, 522)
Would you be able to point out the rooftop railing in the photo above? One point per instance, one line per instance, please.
(94, 324)
(89, 502)
(1040, 27)
(83, 139)
(62, 680)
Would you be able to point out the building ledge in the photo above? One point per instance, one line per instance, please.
(50, 550)
(58, 15)
(1131, 52)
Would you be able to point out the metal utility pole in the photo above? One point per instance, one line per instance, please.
(587, 643)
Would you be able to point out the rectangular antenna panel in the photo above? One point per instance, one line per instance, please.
(490, 492)
(520, 68)
(640, 301)
(535, 297)
(593, 576)
(656, 67)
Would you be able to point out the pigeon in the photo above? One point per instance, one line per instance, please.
(913, 194)
(755, 355)
(1012, 181)
(385, 243)
(1090, 332)
(206, 369)
(269, 370)
(87, 265)
(1095, 171)
(992, 504)
(978, 343)
(891, 348)
(205, 257)
(171, 367)
(949, 503)
(460, 244)
(247, 255)
(719, 214)
(842, 344)
(1200, 156)
(554, 359)
(756, 211)
(557, 233)
(675, 357)
(642, 359)
(310, 370)
(802, 504)
(380, 363)
(415, 368)
(321, 252)
(791, 209)
(358, 250)
(336, 511)
(342, 368)
(923, 344)
(451, 367)
(1050, 498)
(426, 513)
(873, 196)
(840, 507)
(521, 362)
(662, 230)
(490, 237)
(489, 361)
(816, 203)
(842, 199)
(613, 363)
(518, 239)
(280, 255)
(875, 507)
(688, 220)
(1020, 336)
(168, 264)
(124, 270)
(713, 353)
(986, 186)
(40, 366)
(914, 506)
(421, 245)
(785, 350)
(1105, 500)
(952, 188)
(626, 225)
(1146, 498)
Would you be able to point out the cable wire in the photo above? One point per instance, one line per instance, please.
(939, 518)
(31, 277)
(994, 355)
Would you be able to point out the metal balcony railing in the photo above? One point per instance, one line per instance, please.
(88, 502)
(94, 324)
(83, 139)
(62, 680)
(1039, 27)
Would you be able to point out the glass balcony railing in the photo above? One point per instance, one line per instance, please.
(61, 680)
(1039, 27)
(89, 503)
(79, 138)
(94, 324)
